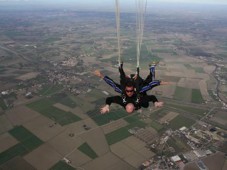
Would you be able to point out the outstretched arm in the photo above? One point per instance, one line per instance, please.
(109, 81)
(114, 85)
(109, 101)
(99, 74)
(153, 84)
(150, 86)
(151, 98)
(165, 83)
(114, 99)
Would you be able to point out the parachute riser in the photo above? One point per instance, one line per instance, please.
(140, 17)
(117, 8)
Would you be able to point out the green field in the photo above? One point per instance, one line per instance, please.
(64, 99)
(197, 111)
(25, 137)
(182, 94)
(196, 96)
(61, 165)
(45, 107)
(99, 102)
(67, 101)
(81, 102)
(180, 121)
(122, 133)
(16, 150)
(158, 113)
(197, 69)
(49, 90)
(87, 150)
(27, 143)
(96, 93)
(157, 126)
(114, 114)
(133, 121)
(117, 135)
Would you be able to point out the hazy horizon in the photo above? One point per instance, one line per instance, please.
(107, 5)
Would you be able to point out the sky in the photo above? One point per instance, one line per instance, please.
(126, 1)
(123, 1)
(197, 1)
(101, 4)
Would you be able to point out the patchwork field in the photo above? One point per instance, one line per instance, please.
(122, 133)
(61, 165)
(204, 90)
(7, 141)
(43, 124)
(17, 163)
(108, 161)
(132, 150)
(45, 107)
(96, 140)
(27, 142)
(182, 93)
(220, 117)
(21, 114)
(168, 117)
(87, 150)
(191, 109)
(184, 78)
(46, 154)
(196, 96)
(114, 126)
(181, 121)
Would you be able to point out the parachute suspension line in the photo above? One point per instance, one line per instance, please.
(141, 6)
(117, 8)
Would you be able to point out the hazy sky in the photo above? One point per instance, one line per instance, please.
(197, 1)
(122, 1)
(100, 4)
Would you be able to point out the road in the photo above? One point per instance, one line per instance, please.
(218, 86)
(15, 53)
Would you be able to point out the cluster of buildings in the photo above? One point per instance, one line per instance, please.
(71, 73)
(7, 98)
(202, 142)
(64, 73)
